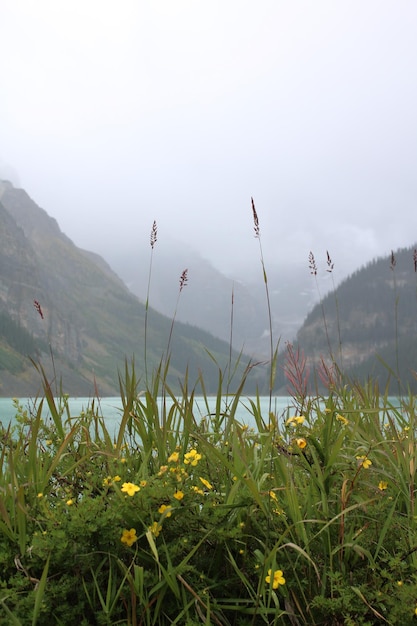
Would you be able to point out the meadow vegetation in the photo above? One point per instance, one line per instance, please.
(305, 518)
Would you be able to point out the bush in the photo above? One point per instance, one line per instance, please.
(303, 519)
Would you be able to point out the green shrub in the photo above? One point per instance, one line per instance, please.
(176, 520)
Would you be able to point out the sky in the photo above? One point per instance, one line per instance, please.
(115, 114)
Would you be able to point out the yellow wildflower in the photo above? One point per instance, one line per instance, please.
(165, 509)
(301, 442)
(107, 481)
(70, 502)
(197, 490)
(192, 457)
(174, 457)
(130, 488)
(365, 462)
(128, 537)
(116, 478)
(162, 470)
(296, 420)
(143, 483)
(342, 419)
(48, 442)
(40, 495)
(277, 578)
(273, 495)
(400, 583)
(155, 529)
(382, 485)
(178, 495)
(206, 483)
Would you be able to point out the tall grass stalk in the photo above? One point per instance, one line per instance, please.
(182, 283)
(393, 263)
(229, 364)
(313, 271)
(330, 267)
(272, 352)
(153, 240)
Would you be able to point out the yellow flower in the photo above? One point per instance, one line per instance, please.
(130, 488)
(365, 462)
(278, 511)
(301, 442)
(107, 481)
(400, 583)
(128, 537)
(382, 485)
(116, 478)
(162, 470)
(174, 457)
(192, 457)
(143, 483)
(165, 509)
(197, 490)
(342, 419)
(295, 420)
(277, 579)
(48, 442)
(70, 502)
(40, 495)
(206, 483)
(155, 529)
(178, 495)
(273, 495)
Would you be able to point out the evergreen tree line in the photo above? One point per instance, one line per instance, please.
(16, 336)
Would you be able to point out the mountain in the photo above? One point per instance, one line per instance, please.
(68, 308)
(212, 298)
(368, 324)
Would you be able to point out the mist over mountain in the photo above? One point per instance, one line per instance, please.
(67, 308)
(224, 305)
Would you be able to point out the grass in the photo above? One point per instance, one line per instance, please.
(214, 509)
(188, 516)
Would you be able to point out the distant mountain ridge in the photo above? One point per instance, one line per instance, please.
(213, 300)
(369, 323)
(91, 321)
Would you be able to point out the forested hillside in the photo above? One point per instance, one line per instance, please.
(368, 325)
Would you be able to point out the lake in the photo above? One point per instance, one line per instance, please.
(110, 408)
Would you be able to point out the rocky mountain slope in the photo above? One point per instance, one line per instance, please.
(87, 322)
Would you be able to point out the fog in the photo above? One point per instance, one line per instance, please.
(116, 114)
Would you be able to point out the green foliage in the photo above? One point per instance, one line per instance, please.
(17, 337)
(179, 520)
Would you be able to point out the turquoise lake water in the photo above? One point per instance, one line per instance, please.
(110, 408)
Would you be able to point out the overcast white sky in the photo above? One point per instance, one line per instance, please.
(113, 114)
